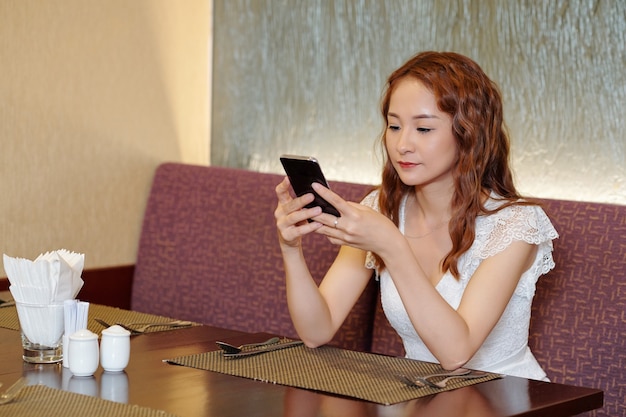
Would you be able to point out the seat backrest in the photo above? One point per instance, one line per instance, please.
(385, 340)
(578, 322)
(209, 252)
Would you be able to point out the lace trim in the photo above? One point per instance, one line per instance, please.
(496, 232)
(524, 223)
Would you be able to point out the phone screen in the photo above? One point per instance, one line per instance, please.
(302, 172)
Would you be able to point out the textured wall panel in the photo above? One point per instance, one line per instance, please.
(306, 77)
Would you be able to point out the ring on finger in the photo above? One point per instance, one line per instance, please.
(336, 221)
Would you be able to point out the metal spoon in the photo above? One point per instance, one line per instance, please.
(228, 348)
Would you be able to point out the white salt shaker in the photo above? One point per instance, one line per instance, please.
(115, 349)
(83, 353)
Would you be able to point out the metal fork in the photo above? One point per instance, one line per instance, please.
(105, 324)
(8, 395)
(146, 326)
(142, 329)
(422, 381)
(460, 373)
(444, 382)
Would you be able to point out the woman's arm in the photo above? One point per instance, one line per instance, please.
(317, 313)
(452, 336)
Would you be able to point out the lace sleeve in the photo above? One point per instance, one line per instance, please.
(518, 223)
(524, 223)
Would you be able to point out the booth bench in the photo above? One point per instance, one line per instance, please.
(209, 252)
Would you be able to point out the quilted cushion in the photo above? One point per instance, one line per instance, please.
(578, 322)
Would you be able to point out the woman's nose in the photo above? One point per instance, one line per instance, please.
(404, 145)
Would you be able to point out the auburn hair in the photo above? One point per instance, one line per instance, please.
(473, 101)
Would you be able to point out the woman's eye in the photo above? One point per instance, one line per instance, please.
(393, 127)
(423, 129)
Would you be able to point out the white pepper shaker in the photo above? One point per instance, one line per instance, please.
(83, 353)
(115, 349)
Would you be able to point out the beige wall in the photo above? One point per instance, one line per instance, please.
(94, 94)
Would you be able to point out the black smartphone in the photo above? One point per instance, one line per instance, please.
(302, 172)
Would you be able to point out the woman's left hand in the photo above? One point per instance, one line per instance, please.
(358, 226)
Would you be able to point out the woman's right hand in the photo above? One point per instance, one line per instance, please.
(292, 217)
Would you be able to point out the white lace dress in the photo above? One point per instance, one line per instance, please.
(506, 348)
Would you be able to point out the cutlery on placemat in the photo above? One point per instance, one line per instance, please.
(145, 326)
(426, 380)
(102, 322)
(228, 348)
(11, 392)
(263, 349)
(444, 382)
(7, 303)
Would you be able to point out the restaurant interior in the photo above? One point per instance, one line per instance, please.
(99, 98)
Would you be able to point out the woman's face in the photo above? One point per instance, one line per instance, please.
(419, 138)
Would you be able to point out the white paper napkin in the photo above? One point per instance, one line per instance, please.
(52, 277)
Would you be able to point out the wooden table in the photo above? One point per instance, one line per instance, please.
(188, 392)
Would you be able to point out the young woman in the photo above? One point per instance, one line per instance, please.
(457, 250)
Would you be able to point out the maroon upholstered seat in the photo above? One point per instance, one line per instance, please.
(385, 340)
(578, 323)
(209, 252)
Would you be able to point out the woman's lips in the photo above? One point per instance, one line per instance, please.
(406, 165)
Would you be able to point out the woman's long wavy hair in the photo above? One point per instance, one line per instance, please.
(473, 101)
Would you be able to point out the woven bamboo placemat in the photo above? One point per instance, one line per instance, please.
(39, 400)
(354, 374)
(9, 319)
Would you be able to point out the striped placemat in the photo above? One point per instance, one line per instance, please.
(40, 400)
(9, 319)
(354, 374)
